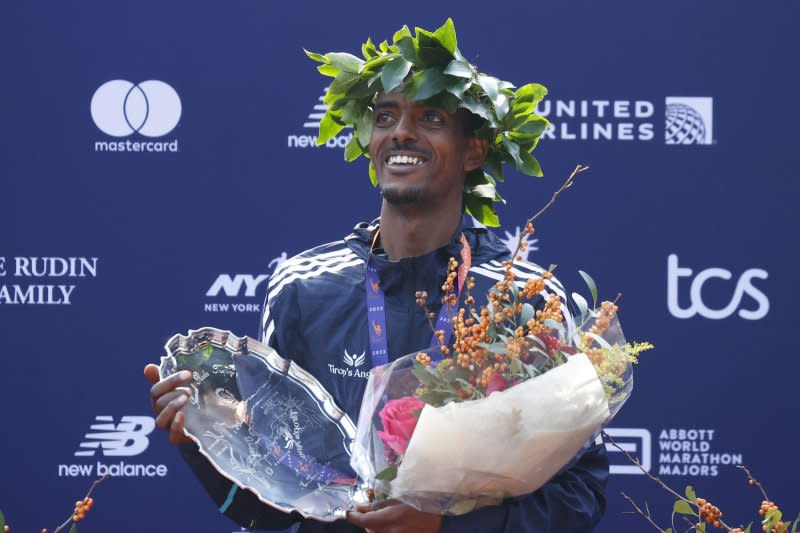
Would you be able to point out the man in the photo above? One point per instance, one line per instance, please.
(316, 313)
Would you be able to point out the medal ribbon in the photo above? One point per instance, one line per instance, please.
(376, 310)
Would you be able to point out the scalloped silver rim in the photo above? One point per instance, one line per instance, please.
(224, 339)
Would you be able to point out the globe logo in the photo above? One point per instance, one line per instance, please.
(684, 125)
(688, 120)
(121, 108)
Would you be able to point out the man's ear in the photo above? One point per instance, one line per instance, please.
(476, 153)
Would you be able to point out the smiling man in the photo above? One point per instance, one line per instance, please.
(429, 123)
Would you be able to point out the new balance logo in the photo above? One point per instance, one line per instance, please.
(125, 439)
(309, 140)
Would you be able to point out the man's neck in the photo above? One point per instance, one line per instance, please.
(406, 232)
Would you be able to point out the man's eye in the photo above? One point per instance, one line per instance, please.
(383, 118)
(433, 116)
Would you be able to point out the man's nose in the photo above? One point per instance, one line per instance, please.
(404, 129)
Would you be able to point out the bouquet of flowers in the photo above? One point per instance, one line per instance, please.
(499, 411)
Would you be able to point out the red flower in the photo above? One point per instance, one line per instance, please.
(496, 383)
(399, 421)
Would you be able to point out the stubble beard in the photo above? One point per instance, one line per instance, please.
(402, 195)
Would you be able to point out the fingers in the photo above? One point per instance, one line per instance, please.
(170, 383)
(385, 517)
(176, 435)
(169, 405)
(151, 373)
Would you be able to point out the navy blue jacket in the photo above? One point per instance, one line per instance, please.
(315, 314)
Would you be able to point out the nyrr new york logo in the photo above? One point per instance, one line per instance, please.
(151, 108)
(689, 120)
(308, 139)
(241, 288)
(128, 438)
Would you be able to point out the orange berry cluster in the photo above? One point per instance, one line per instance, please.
(424, 358)
(779, 527)
(422, 298)
(6, 528)
(81, 508)
(710, 513)
(471, 327)
(607, 312)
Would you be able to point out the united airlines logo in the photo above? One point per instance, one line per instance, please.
(151, 108)
(126, 439)
(354, 360)
(308, 139)
(689, 120)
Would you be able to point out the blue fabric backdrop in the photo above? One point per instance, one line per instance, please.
(126, 221)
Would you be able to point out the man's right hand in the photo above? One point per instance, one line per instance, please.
(168, 398)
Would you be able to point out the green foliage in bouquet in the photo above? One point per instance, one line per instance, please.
(428, 66)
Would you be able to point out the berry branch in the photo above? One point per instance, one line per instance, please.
(81, 507)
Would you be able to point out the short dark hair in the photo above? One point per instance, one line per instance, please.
(472, 123)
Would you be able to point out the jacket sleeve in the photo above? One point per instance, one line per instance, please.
(242, 506)
(571, 501)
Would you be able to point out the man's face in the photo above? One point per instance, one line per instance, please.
(420, 153)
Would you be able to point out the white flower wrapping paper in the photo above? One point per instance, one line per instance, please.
(475, 453)
(509, 443)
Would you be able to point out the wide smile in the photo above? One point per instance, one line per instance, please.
(404, 161)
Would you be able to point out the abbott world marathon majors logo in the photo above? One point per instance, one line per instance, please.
(308, 139)
(677, 452)
(238, 293)
(150, 109)
(687, 120)
(109, 448)
(27, 280)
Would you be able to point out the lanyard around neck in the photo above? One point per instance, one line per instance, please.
(376, 310)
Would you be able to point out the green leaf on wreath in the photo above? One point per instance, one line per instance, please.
(73, 529)
(690, 493)
(328, 128)
(428, 83)
(352, 151)
(446, 35)
(394, 73)
(346, 62)
(457, 68)
(2, 521)
(683, 507)
(387, 474)
(530, 165)
(373, 175)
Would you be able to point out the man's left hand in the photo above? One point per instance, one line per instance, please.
(394, 517)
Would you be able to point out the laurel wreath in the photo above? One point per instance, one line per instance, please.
(429, 66)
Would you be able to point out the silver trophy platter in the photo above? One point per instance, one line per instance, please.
(265, 423)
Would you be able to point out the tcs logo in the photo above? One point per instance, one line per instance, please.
(744, 285)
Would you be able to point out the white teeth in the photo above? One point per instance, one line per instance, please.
(403, 160)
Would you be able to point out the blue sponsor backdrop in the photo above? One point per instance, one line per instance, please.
(163, 205)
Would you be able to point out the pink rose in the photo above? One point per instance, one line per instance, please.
(399, 421)
(496, 383)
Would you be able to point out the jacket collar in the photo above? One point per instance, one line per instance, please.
(424, 272)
